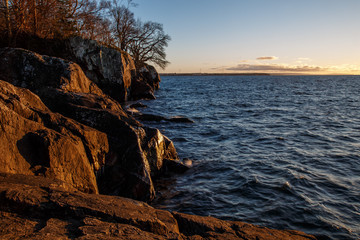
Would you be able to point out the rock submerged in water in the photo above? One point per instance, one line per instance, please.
(188, 162)
(180, 119)
(138, 105)
(175, 166)
(157, 118)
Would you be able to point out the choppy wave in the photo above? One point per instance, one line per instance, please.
(283, 152)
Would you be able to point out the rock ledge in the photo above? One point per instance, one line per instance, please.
(40, 208)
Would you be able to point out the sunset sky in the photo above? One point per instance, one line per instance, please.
(273, 36)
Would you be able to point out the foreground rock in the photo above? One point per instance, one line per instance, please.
(39, 208)
(135, 153)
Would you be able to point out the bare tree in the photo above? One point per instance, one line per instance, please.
(122, 21)
(149, 44)
(123, 26)
(7, 19)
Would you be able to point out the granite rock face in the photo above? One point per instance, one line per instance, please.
(39, 208)
(36, 141)
(30, 70)
(111, 69)
(135, 153)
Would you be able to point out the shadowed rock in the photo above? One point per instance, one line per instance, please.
(140, 89)
(158, 118)
(149, 74)
(138, 105)
(180, 119)
(175, 166)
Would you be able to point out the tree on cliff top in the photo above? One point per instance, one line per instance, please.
(108, 21)
(145, 42)
(123, 23)
(149, 45)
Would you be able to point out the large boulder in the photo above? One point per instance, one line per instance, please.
(35, 141)
(36, 72)
(111, 69)
(135, 153)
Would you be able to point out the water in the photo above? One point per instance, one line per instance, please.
(279, 151)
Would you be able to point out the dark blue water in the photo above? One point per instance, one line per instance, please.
(279, 151)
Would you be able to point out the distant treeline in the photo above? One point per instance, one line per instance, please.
(214, 74)
(110, 22)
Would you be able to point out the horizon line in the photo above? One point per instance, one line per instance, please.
(255, 74)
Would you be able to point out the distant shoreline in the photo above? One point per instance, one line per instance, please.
(214, 74)
(250, 74)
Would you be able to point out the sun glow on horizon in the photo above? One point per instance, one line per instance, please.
(259, 66)
(280, 36)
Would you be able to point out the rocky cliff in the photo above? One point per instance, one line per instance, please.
(112, 145)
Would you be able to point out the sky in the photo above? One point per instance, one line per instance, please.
(267, 36)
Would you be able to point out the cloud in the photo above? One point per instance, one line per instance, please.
(290, 69)
(267, 58)
(276, 68)
(303, 59)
